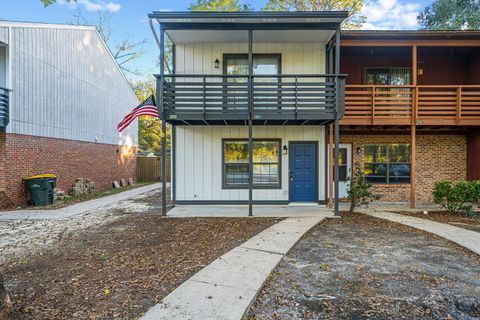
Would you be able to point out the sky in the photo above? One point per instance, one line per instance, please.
(129, 18)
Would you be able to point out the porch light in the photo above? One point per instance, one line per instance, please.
(216, 64)
(285, 150)
(359, 150)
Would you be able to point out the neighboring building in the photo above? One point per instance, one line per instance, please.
(67, 96)
(282, 74)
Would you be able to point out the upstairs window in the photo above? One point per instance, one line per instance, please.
(388, 76)
(266, 164)
(264, 64)
(387, 163)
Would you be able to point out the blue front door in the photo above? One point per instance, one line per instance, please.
(303, 172)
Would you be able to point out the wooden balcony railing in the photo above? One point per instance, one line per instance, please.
(282, 97)
(405, 105)
(4, 106)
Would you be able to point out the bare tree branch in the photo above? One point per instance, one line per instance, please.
(125, 51)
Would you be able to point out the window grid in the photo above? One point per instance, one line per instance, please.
(240, 177)
(388, 164)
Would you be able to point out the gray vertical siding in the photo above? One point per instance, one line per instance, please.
(3, 66)
(4, 34)
(66, 85)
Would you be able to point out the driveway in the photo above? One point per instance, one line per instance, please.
(361, 267)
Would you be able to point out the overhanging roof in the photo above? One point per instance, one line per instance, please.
(171, 18)
(410, 34)
(269, 27)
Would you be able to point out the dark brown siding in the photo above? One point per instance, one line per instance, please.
(473, 150)
(440, 70)
(440, 66)
(355, 66)
(474, 69)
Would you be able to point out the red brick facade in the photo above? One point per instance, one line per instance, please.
(22, 155)
(438, 157)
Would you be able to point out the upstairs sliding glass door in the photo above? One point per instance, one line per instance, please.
(263, 64)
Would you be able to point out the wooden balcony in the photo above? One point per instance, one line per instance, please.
(219, 99)
(4, 106)
(408, 105)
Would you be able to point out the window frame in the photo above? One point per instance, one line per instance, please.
(367, 68)
(388, 163)
(255, 186)
(278, 56)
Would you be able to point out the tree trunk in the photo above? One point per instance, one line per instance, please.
(5, 300)
(352, 205)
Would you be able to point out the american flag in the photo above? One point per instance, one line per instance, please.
(146, 108)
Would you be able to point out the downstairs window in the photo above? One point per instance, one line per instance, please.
(387, 163)
(266, 164)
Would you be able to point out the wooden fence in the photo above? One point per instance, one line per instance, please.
(150, 169)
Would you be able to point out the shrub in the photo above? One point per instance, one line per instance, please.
(359, 190)
(460, 197)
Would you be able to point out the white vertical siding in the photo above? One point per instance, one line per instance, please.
(308, 58)
(3, 66)
(4, 35)
(198, 167)
(67, 85)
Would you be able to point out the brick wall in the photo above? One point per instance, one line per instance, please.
(22, 155)
(438, 157)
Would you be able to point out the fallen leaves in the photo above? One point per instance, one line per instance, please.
(121, 269)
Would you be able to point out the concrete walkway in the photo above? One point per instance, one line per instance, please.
(466, 238)
(283, 211)
(76, 209)
(225, 289)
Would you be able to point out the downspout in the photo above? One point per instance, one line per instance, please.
(161, 111)
(250, 122)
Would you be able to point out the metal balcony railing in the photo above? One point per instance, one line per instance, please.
(274, 97)
(4, 106)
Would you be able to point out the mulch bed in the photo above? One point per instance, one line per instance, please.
(455, 219)
(120, 270)
(361, 267)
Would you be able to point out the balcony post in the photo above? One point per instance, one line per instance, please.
(330, 165)
(413, 142)
(413, 165)
(164, 122)
(336, 171)
(459, 104)
(250, 122)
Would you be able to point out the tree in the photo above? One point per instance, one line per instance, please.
(451, 15)
(125, 51)
(149, 128)
(354, 20)
(359, 190)
(46, 3)
(219, 5)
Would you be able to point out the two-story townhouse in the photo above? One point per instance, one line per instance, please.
(61, 96)
(260, 109)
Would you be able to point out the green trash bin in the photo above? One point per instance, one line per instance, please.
(41, 189)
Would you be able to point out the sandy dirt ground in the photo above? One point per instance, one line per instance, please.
(20, 238)
(112, 263)
(359, 267)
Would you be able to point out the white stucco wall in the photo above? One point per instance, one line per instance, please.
(198, 161)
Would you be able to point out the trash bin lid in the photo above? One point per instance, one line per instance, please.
(41, 176)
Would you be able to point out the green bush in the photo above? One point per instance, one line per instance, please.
(460, 197)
